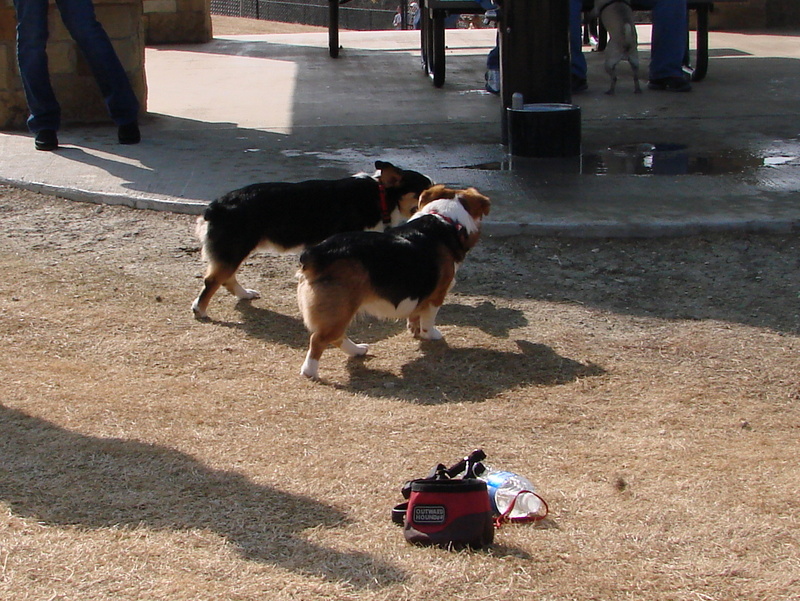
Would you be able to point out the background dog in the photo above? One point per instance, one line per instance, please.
(617, 18)
(403, 273)
(288, 217)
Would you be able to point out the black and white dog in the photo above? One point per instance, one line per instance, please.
(404, 273)
(288, 217)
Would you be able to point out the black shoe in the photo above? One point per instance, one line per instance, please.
(46, 139)
(670, 84)
(129, 133)
(578, 84)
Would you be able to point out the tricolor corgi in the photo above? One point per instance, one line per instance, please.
(288, 217)
(404, 273)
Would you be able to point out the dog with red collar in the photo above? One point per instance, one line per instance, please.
(404, 273)
(288, 217)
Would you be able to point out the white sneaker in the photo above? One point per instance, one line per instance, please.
(493, 81)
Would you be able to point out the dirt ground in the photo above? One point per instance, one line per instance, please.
(648, 387)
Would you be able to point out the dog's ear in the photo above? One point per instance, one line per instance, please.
(435, 193)
(415, 181)
(390, 176)
(476, 204)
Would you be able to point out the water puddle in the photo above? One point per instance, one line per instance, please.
(649, 159)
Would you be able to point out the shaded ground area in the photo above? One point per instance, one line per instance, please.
(648, 387)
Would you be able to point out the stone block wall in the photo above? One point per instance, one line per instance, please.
(72, 79)
(177, 21)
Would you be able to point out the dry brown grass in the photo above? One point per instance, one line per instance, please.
(222, 25)
(648, 387)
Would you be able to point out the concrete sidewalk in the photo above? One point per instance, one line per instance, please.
(243, 109)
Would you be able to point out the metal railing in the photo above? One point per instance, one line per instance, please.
(355, 14)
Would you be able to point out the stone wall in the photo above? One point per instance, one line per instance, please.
(72, 79)
(177, 21)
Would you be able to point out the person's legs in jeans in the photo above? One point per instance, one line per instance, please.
(493, 70)
(670, 28)
(45, 112)
(577, 60)
(92, 39)
(493, 59)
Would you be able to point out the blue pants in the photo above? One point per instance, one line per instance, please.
(79, 19)
(493, 58)
(670, 28)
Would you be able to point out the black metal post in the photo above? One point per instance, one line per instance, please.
(333, 28)
(534, 50)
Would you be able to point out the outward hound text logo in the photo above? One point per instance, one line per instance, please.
(429, 514)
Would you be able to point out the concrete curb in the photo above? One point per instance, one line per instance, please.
(497, 229)
(152, 204)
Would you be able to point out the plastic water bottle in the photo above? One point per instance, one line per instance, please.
(506, 486)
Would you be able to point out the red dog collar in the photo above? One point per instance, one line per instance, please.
(447, 219)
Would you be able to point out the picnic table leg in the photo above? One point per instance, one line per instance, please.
(701, 68)
(425, 38)
(437, 43)
(333, 28)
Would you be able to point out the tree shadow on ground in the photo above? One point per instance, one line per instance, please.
(65, 478)
(735, 277)
(468, 375)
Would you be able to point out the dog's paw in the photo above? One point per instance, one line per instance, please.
(310, 369)
(353, 349)
(198, 312)
(413, 327)
(432, 334)
(247, 294)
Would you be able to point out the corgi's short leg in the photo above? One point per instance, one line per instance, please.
(316, 346)
(235, 288)
(427, 329)
(353, 349)
(211, 284)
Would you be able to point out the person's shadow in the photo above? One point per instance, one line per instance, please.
(60, 477)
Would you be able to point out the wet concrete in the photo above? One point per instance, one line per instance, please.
(276, 107)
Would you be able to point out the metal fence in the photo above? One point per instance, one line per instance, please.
(356, 14)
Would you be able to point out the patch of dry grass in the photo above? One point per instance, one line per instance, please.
(223, 25)
(648, 387)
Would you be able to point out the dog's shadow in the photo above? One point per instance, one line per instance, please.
(271, 326)
(268, 325)
(487, 317)
(445, 374)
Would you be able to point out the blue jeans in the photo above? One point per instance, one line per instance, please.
(577, 60)
(493, 58)
(88, 33)
(670, 28)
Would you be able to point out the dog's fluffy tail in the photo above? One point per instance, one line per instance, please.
(201, 231)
